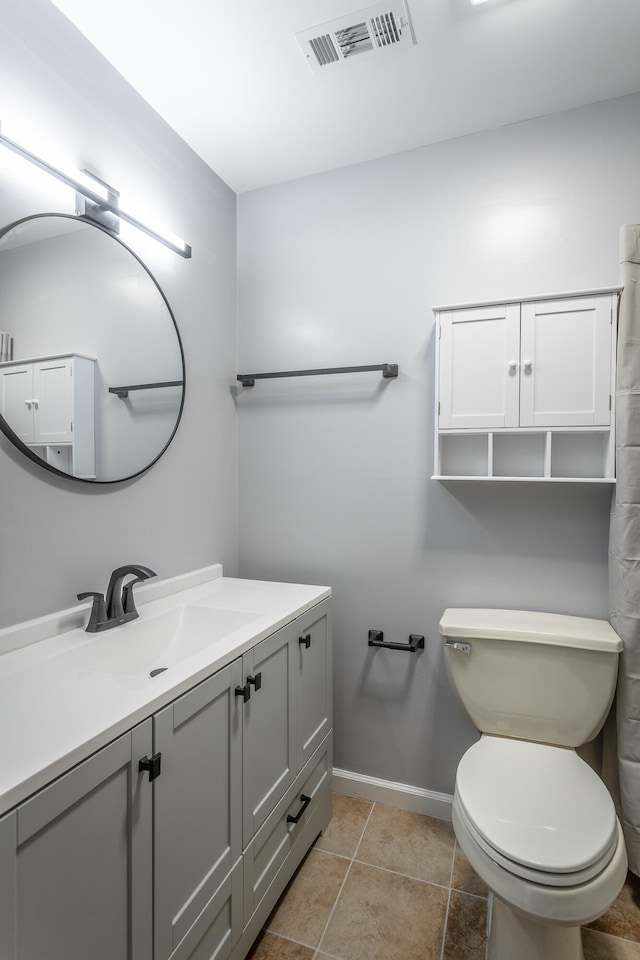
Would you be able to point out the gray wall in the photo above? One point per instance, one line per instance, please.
(335, 488)
(58, 536)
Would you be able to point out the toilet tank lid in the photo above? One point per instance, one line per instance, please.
(529, 626)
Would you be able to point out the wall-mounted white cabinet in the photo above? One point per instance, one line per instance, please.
(525, 390)
(49, 404)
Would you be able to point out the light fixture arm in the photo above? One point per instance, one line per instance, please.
(104, 207)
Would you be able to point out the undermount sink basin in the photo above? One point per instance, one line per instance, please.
(147, 647)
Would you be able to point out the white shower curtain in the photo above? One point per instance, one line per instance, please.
(624, 543)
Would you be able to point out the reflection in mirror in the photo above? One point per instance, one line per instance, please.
(84, 317)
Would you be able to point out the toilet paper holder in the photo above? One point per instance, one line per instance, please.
(416, 642)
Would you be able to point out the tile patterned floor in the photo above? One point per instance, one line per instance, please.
(385, 884)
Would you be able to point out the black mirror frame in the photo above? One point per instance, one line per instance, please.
(4, 426)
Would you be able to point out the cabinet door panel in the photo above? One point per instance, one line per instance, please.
(478, 367)
(53, 413)
(268, 747)
(213, 936)
(197, 823)
(17, 397)
(313, 682)
(566, 362)
(83, 861)
(8, 842)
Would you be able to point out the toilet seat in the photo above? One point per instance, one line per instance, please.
(539, 811)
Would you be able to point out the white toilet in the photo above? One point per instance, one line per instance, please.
(535, 821)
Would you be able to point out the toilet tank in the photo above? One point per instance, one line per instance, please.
(535, 676)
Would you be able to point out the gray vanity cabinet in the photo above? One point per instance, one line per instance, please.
(76, 860)
(197, 824)
(183, 861)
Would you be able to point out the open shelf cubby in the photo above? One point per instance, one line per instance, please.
(546, 455)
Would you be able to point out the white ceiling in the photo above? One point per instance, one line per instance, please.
(230, 78)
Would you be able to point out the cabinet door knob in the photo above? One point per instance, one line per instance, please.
(255, 681)
(306, 640)
(244, 692)
(513, 366)
(152, 764)
(528, 366)
(305, 803)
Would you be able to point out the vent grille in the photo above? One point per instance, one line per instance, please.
(356, 39)
(324, 49)
(386, 30)
(371, 31)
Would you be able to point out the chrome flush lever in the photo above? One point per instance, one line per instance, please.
(458, 645)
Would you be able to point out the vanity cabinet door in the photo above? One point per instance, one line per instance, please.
(313, 681)
(197, 814)
(8, 830)
(269, 755)
(80, 855)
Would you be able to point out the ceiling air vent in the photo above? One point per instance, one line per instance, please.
(375, 30)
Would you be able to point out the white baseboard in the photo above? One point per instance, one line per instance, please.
(400, 795)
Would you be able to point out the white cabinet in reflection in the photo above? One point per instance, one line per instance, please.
(49, 404)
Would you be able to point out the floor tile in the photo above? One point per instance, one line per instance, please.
(306, 905)
(464, 876)
(622, 919)
(385, 916)
(343, 833)
(599, 946)
(270, 947)
(466, 935)
(410, 843)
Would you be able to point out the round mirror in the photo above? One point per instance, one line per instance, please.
(91, 362)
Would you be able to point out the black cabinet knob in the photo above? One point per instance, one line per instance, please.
(306, 640)
(244, 692)
(152, 764)
(255, 681)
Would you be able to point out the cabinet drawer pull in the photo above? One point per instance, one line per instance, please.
(306, 640)
(305, 803)
(244, 692)
(152, 764)
(255, 681)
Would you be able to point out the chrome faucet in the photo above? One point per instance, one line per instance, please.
(119, 605)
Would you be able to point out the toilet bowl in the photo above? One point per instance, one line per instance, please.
(535, 821)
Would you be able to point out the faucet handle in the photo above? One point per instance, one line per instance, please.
(128, 603)
(115, 594)
(98, 611)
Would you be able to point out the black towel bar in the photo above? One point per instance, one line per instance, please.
(389, 372)
(123, 392)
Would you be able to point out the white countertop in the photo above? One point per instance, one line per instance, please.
(61, 698)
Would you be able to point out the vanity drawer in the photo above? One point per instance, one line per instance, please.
(281, 835)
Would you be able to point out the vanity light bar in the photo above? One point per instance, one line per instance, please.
(99, 194)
